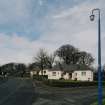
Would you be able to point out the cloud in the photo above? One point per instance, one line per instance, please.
(20, 15)
(73, 26)
(13, 11)
(16, 48)
(54, 26)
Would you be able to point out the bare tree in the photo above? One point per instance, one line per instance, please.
(44, 60)
(50, 60)
(40, 59)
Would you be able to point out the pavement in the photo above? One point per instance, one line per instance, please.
(17, 91)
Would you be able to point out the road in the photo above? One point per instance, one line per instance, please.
(16, 92)
(27, 92)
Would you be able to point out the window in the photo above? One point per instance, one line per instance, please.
(44, 72)
(54, 73)
(75, 74)
(83, 73)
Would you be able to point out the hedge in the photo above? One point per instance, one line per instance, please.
(40, 77)
(60, 83)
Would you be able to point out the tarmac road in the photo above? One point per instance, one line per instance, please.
(17, 91)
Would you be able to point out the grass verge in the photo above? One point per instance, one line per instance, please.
(97, 103)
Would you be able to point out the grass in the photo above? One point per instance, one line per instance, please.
(97, 103)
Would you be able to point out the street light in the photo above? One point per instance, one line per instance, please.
(92, 17)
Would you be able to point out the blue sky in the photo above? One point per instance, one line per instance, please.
(28, 25)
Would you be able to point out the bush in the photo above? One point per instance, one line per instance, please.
(61, 79)
(64, 83)
(26, 75)
(40, 77)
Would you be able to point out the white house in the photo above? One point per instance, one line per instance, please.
(80, 75)
(45, 72)
(54, 74)
(39, 72)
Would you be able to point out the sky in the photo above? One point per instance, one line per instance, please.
(28, 25)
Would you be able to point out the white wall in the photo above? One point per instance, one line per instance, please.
(33, 72)
(45, 72)
(40, 72)
(66, 76)
(58, 74)
(79, 76)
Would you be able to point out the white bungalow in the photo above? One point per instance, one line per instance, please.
(80, 75)
(54, 74)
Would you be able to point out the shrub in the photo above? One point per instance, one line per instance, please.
(64, 83)
(61, 79)
(40, 77)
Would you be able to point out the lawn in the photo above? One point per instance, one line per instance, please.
(97, 103)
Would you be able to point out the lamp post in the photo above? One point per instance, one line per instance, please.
(99, 55)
